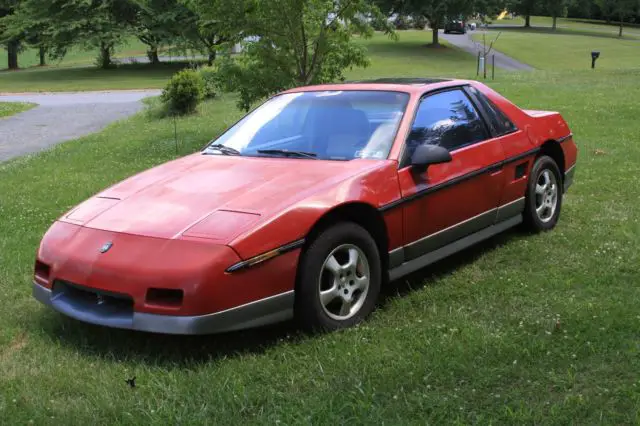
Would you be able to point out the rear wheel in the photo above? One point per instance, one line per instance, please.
(544, 195)
(339, 279)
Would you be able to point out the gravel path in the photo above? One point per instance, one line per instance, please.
(63, 116)
(503, 61)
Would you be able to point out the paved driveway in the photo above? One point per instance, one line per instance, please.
(464, 42)
(60, 117)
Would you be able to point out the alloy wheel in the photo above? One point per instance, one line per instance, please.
(546, 195)
(344, 282)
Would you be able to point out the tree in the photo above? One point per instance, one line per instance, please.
(489, 7)
(297, 42)
(63, 23)
(621, 9)
(159, 22)
(9, 38)
(436, 11)
(557, 8)
(525, 8)
(216, 23)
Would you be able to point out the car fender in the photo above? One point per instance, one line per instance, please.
(375, 187)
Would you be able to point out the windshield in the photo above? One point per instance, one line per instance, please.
(328, 125)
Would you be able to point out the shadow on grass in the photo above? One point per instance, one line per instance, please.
(185, 351)
(404, 48)
(562, 31)
(125, 68)
(614, 24)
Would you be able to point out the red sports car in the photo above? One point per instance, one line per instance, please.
(306, 207)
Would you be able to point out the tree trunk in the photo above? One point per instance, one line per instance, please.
(105, 55)
(527, 21)
(43, 58)
(12, 55)
(436, 34)
(152, 54)
(621, 25)
(212, 56)
(555, 23)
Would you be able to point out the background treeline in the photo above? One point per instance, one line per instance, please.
(54, 26)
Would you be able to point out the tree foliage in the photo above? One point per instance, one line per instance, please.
(618, 9)
(436, 11)
(526, 8)
(63, 23)
(215, 23)
(556, 8)
(297, 42)
(161, 22)
(10, 39)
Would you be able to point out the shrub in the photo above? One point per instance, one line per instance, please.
(183, 92)
(419, 22)
(402, 22)
(208, 75)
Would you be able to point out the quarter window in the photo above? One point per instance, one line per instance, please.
(447, 119)
(499, 121)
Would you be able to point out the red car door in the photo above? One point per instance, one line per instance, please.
(452, 200)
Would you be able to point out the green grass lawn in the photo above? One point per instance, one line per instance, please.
(398, 58)
(585, 26)
(130, 76)
(523, 329)
(565, 51)
(8, 109)
(77, 55)
(76, 71)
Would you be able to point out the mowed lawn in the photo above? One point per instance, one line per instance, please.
(77, 71)
(8, 109)
(566, 51)
(523, 329)
(130, 76)
(574, 25)
(76, 55)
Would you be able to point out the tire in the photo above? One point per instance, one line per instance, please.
(328, 266)
(543, 200)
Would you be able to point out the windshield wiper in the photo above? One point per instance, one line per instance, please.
(224, 149)
(287, 153)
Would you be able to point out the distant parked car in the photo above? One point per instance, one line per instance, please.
(307, 207)
(455, 27)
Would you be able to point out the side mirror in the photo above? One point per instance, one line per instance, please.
(426, 155)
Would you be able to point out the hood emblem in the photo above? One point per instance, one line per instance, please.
(106, 247)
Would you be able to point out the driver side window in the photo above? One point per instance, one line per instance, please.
(447, 119)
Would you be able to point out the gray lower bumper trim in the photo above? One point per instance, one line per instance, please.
(261, 312)
(568, 177)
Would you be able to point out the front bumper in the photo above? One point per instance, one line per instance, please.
(119, 315)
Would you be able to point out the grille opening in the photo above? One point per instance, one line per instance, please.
(90, 296)
(42, 271)
(167, 297)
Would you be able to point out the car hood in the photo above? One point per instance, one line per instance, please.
(210, 196)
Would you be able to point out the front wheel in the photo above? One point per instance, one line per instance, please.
(339, 279)
(544, 195)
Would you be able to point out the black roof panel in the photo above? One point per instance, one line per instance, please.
(405, 81)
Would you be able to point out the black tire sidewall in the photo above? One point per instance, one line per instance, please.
(532, 220)
(308, 309)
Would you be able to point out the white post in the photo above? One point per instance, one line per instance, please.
(482, 64)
